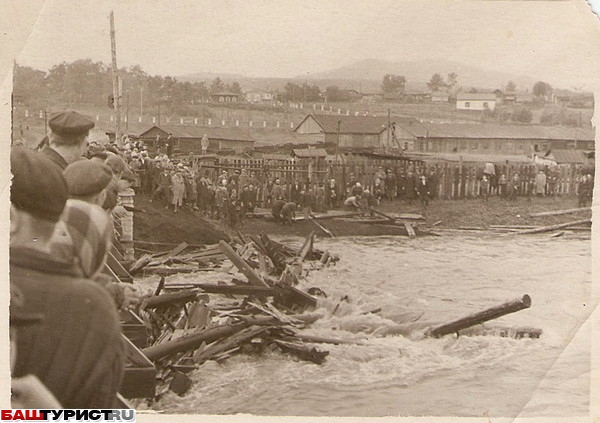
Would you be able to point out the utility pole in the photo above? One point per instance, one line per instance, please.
(388, 132)
(337, 145)
(127, 116)
(141, 101)
(115, 80)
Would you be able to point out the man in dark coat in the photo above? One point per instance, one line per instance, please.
(410, 187)
(76, 351)
(423, 190)
(67, 140)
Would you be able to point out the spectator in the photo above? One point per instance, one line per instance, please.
(76, 351)
(67, 140)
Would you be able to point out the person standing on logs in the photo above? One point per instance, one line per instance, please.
(67, 141)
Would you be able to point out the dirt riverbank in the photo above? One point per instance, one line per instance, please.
(160, 225)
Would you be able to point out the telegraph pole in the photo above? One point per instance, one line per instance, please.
(389, 141)
(337, 146)
(115, 80)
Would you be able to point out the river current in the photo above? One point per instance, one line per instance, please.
(396, 372)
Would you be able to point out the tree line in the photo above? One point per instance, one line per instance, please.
(88, 82)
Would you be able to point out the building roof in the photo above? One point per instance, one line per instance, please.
(469, 158)
(187, 131)
(310, 152)
(476, 96)
(567, 156)
(460, 130)
(349, 124)
(227, 93)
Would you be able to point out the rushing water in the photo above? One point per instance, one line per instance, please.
(433, 279)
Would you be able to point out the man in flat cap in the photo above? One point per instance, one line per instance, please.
(88, 180)
(68, 137)
(76, 350)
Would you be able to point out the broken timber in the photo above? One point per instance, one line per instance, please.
(559, 212)
(481, 317)
(253, 277)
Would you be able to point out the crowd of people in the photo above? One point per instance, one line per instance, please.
(66, 343)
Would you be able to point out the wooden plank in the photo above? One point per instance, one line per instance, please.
(410, 230)
(560, 212)
(481, 317)
(334, 216)
(323, 228)
(307, 247)
(118, 269)
(253, 277)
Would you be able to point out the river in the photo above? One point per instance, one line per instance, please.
(432, 279)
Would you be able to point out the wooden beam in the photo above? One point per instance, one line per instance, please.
(307, 247)
(481, 317)
(253, 277)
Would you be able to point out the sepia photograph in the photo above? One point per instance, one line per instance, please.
(302, 208)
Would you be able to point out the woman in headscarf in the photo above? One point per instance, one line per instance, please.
(85, 241)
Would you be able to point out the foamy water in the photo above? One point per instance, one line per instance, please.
(397, 372)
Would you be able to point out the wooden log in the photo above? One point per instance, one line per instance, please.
(259, 291)
(481, 317)
(325, 339)
(553, 227)
(140, 264)
(231, 342)
(167, 300)
(560, 212)
(253, 277)
(192, 341)
(387, 216)
(303, 352)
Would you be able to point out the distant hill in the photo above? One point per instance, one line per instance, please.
(418, 73)
(367, 75)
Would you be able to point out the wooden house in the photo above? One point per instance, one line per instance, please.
(351, 132)
(188, 139)
(499, 139)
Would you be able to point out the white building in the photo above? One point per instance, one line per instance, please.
(476, 101)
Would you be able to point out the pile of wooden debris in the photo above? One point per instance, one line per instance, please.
(189, 323)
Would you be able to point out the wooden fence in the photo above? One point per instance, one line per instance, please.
(450, 181)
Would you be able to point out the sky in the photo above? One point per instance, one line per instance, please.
(557, 40)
